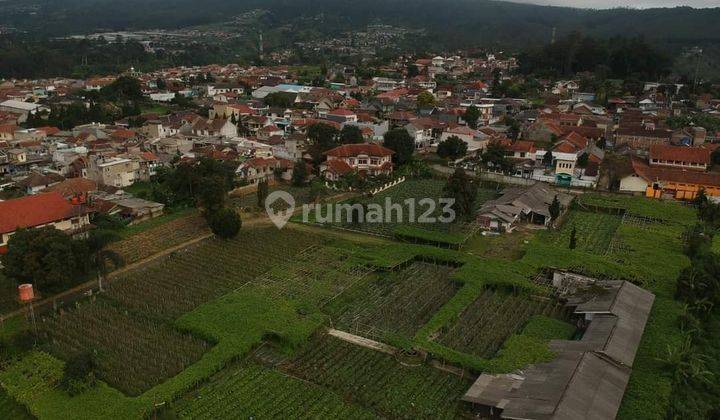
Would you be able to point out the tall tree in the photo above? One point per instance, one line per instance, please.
(262, 193)
(351, 134)
(464, 191)
(299, 176)
(400, 142)
(554, 209)
(471, 117)
(425, 99)
(452, 148)
(322, 137)
(225, 223)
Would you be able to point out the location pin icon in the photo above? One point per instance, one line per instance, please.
(279, 218)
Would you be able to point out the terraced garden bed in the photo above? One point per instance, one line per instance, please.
(400, 302)
(485, 325)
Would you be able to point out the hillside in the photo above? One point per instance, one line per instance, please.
(457, 22)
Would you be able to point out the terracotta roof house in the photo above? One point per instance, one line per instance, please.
(364, 158)
(36, 182)
(658, 181)
(264, 169)
(74, 188)
(48, 209)
(697, 158)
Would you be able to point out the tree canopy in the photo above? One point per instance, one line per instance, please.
(399, 141)
(452, 148)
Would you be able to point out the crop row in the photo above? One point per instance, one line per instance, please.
(492, 318)
(401, 302)
(133, 354)
(248, 390)
(179, 283)
(160, 238)
(314, 277)
(378, 381)
(593, 231)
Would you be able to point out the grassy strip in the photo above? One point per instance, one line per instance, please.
(417, 235)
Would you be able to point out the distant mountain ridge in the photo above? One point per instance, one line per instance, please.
(456, 23)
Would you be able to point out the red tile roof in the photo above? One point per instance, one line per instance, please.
(658, 173)
(523, 146)
(341, 112)
(370, 149)
(73, 186)
(35, 210)
(680, 153)
(338, 166)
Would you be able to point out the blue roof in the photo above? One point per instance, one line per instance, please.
(290, 88)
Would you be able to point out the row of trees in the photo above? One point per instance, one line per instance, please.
(698, 287)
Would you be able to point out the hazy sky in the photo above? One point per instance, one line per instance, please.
(604, 4)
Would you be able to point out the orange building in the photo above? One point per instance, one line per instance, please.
(682, 184)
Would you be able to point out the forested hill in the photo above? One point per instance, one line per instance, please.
(456, 22)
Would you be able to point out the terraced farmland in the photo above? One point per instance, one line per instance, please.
(399, 303)
(129, 328)
(492, 318)
(248, 390)
(594, 231)
(378, 381)
(179, 283)
(133, 353)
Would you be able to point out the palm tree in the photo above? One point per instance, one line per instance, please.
(103, 259)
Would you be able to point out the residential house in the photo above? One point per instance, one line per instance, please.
(521, 205)
(365, 159)
(342, 116)
(36, 182)
(48, 209)
(260, 169)
(117, 172)
(211, 128)
(641, 137)
(476, 140)
(694, 158)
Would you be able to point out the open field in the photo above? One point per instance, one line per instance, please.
(400, 302)
(376, 380)
(594, 231)
(492, 318)
(249, 390)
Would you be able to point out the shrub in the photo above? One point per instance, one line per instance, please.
(79, 373)
(225, 223)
